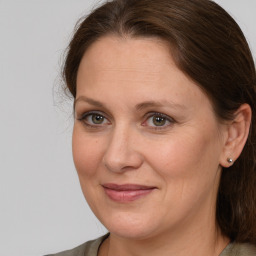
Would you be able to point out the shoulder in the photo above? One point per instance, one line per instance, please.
(239, 249)
(89, 248)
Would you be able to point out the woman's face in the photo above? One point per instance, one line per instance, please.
(146, 143)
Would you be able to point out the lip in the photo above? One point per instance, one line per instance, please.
(126, 192)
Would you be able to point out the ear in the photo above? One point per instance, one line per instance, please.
(237, 134)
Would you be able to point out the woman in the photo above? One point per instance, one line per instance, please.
(164, 131)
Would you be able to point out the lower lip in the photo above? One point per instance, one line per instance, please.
(127, 195)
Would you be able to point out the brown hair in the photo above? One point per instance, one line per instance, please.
(208, 46)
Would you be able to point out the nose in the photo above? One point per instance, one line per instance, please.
(122, 151)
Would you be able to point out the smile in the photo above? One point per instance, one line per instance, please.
(127, 192)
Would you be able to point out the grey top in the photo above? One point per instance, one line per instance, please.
(90, 248)
(235, 249)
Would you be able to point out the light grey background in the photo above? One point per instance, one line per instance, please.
(42, 209)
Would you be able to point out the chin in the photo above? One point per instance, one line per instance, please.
(127, 225)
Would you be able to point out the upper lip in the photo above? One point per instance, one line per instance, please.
(126, 187)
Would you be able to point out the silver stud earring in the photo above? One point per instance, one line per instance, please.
(230, 160)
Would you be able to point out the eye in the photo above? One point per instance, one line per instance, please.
(94, 119)
(158, 120)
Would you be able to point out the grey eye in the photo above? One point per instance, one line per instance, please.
(96, 118)
(159, 120)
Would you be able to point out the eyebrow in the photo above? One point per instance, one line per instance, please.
(138, 107)
(90, 101)
(164, 103)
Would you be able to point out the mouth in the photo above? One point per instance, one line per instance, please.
(126, 192)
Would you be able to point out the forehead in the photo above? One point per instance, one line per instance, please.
(140, 69)
(138, 59)
(151, 49)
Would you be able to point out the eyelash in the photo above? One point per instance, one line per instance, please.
(161, 115)
(165, 118)
(90, 114)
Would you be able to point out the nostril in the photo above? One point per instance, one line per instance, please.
(131, 161)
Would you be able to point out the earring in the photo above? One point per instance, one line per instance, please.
(230, 160)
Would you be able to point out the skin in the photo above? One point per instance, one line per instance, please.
(126, 81)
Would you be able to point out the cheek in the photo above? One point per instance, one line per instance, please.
(86, 153)
(188, 168)
(188, 156)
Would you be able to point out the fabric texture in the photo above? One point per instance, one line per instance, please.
(235, 249)
(91, 248)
